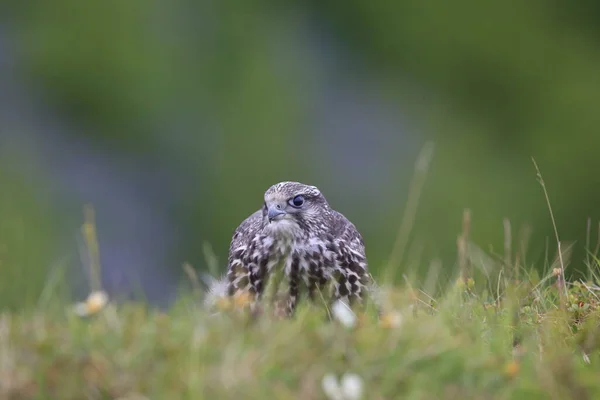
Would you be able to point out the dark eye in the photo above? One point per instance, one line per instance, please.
(297, 201)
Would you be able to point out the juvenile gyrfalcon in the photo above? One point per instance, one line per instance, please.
(298, 230)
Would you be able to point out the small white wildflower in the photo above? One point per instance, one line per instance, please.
(342, 312)
(217, 291)
(332, 388)
(352, 386)
(95, 302)
(586, 358)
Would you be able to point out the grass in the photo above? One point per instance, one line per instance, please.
(469, 341)
(498, 331)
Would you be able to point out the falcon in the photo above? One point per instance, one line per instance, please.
(314, 245)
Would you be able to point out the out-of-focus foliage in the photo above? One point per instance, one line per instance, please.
(217, 91)
(504, 82)
(476, 345)
(27, 244)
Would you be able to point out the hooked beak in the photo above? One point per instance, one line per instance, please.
(274, 211)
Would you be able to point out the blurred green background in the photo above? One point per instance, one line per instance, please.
(173, 117)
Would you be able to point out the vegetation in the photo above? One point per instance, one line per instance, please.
(512, 335)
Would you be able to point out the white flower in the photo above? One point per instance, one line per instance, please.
(586, 358)
(332, 388)
(342, 312)
(95, 302)
(217, 291)
(350, 388)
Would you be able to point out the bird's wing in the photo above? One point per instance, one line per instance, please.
(239, 273)
(244, 234)
(346, 232)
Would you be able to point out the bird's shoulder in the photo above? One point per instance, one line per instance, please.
(246, 230)
(343, 229)
(344, 239)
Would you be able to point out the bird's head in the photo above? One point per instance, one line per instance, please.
(290, 206)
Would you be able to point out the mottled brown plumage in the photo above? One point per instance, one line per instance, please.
(298, 231)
